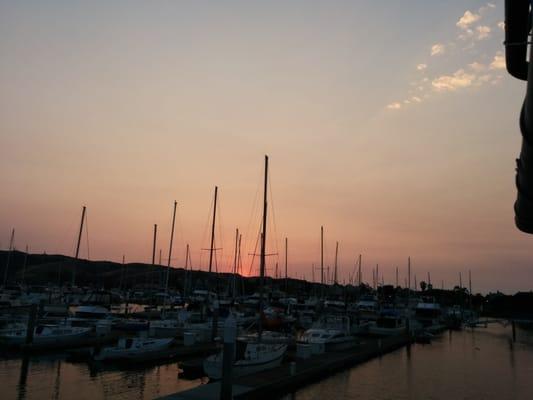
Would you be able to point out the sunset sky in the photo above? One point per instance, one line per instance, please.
(392, 124)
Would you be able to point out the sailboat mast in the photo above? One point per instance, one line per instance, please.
(396, 276)
(186, 268)
(154, 244)
(212, 247)
(264, 225)
(360, 272)
(170, 247)
(322, 255)
(336, 257)
(286, 268)
(408, 274)
(11, 245)
(263, 246)
(470, 288)
(233, 284)
(78, 245)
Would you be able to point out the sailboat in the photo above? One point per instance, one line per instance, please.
(252, 353)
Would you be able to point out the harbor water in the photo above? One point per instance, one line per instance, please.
(471, 364)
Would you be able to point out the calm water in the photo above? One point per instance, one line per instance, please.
(483, 364)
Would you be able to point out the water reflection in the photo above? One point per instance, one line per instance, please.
(469, 364)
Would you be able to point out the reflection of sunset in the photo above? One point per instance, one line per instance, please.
(127, 114)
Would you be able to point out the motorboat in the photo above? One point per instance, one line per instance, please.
(46, 335)
(389, 323)
(139, 349)
(251, 356)
(330, 334)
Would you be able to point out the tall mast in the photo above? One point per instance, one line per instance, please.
(322, 255)
(286, 258)
(470, 288)
(360, 276)
(11, 246)
(336, 257)
(170, 247)
(263, 246)
(235, 262)
(212, 248)
(25, 265)
(429, 278)
(78, 245)
(396, 276)
(154, 244)
(408, 274)
(186, 268)
(239, 261)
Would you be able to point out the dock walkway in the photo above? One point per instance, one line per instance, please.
(278, 381)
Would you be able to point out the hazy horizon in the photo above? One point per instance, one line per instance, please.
(395, 126)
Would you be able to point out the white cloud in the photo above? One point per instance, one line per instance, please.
(498, 62)
(477, 67)
(416, 99)
(486, 7)
(459, 79)
(437, 49)
(421, 67)
(467, 19)
(501, 25)
(483, 32)
(394, 106)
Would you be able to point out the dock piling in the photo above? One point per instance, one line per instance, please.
(31, 323)
(230, 334)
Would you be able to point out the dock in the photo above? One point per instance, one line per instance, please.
(287, 378)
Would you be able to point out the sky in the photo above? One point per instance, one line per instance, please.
(392, 124)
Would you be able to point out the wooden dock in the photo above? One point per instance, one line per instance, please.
(279, 381)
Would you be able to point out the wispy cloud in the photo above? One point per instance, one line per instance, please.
(498, 62)
(467, 19)
(459, 79)
(474, 26)
(437, 48)
(501, 25)
(394, 106)
(483, 32)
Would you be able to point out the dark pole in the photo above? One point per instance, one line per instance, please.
(170, 247)
(336, 256)
(154, 244)
(235, 262)
(25, 265)
(212, 247)
(263, 246)
(286, 264)
(322, 255)
(360, 272)
(78, 245)
(11, 245)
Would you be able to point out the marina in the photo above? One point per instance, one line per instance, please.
(266, 200)
(492, 368)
